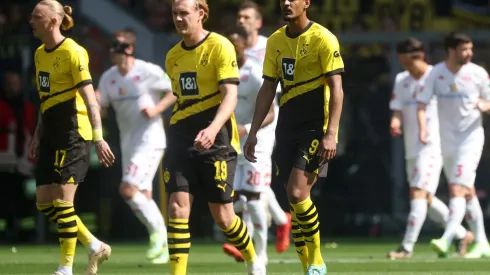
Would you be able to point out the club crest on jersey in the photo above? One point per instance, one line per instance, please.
(205, 59)
(418, 91)
(304, 49)
(453, 88)
(122, 91)
(56, 63)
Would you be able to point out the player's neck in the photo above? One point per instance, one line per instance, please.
(253, 40)
(196, 37)
(52, 40)
(418, 71)
(297, 25)
(453, 66)
(127, 66)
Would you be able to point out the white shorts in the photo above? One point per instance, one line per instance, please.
(423, 172)
(139, 168)
(253, 177)
(461, 169)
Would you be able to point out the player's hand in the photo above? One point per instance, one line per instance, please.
(34, 148)
(249, 148)
(424, 135)
(150, 112)
(242, 131)
(395, 128)
(205, 139)
(106, 157)
(327, 149)
(483, 106)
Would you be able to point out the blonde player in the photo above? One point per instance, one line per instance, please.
(462, 91)
(250, 18)
(133, 88)
(423, 161)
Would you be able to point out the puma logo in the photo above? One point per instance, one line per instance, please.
(57, 171)
(176, 259)
(307, 159)
(222, 187)
(300, 252)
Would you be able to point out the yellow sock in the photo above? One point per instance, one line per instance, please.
(48, 210)
(310, 227)
(179, 244)
(299, 241)
(67, 231)
(83, 234)
(237, 235)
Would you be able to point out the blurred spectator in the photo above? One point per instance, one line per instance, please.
(17, 125)
(159, 15)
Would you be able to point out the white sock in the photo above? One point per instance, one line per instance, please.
(457, 209)
(144, 211)
(247, 219)
(158, 219)
(256, 210)
(278, 215)
(241, 204)
(439, 213)
(94, 246)
(66, 270)
(416, 218)
(475, 220)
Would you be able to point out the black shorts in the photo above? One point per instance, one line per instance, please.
(60, 164)
(208, 175)
(296, 153)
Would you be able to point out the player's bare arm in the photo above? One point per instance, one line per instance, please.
(396, 123)
(106, 157)
(328, 150)
(422, 121)
(483, 105)
(168, 100)
(34, 147)
(265, 99)
(205, 138)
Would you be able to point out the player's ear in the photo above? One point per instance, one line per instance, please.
(129, 50)
(307, 4)
(200, 12)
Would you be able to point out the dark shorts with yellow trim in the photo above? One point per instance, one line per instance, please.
(299, 132)
(207, 174)
(62, 163)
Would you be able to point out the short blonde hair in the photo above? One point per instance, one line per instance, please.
(203, 5)
(63, 11)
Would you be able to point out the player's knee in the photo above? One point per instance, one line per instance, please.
(44, 194)
(127, 190)
(458, 190)
(297, 194)
(418, 194)
(178, 207)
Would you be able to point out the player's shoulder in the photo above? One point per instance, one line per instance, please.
(72, 47)
(477, 69)
(401, 76)
(149, 67)
(278, 35)
(320, 32)
(108, 74)
(215, 40)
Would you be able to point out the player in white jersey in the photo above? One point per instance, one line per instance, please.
(462, 91)
(252, 179)
(423, 161)
(250, 19)
(133, 88)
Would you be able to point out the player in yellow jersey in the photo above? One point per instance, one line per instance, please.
(305, 58)
(68, 123)
(202, 142)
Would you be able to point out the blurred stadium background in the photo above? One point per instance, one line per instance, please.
(365, 194)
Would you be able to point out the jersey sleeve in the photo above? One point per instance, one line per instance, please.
(330, 57)
(426, 91)
(227, 67)
(79, 68)
(396, 103)
(160, 80)
(485, 86)
(270, 63)
(104, 99)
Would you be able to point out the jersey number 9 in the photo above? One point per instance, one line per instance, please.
(288, 68)
(188, 84)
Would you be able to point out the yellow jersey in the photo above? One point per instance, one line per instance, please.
(300, 63)
(196, 73)
(60, 72)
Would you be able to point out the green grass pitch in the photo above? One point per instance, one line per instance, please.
(350, 257)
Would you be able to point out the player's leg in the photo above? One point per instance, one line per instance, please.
(282, 162)
(180, 180)
(216, 174)
(303, 176)
(136, 190)
(281, 219)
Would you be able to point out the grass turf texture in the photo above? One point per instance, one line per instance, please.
(350, 257)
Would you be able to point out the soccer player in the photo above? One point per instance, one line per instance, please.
(305, 58)
(462, 92)
(203, 140)
(133, 87)
(68, 122)
(252, 179)
(423, 161)
(250, 18)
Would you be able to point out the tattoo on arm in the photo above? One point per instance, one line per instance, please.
(93, 110)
